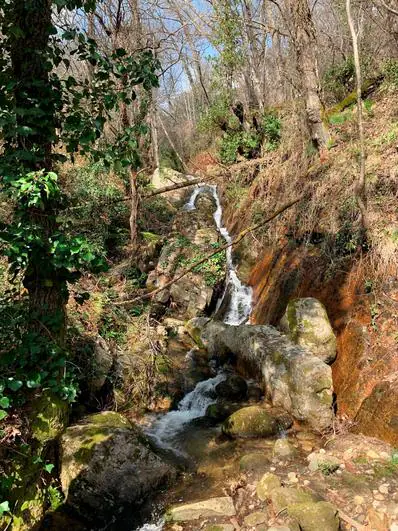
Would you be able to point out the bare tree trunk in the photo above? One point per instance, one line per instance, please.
(360, 187)
(305, 47)
(134, 206)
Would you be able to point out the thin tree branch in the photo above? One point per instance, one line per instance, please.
(390, 9)
(238, 239)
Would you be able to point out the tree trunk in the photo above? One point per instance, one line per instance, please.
(360, 187)
(47, 290)
(305, 47)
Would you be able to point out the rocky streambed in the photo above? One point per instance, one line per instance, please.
(251, 444)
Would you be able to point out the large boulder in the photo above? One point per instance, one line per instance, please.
(294, 380)
(108, 466)
(306, 323)
(254, 421)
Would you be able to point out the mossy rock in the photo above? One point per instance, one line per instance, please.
(49, 415)
(283, 497)
(108, 465)
(267, 484)
(307, 324)
(219, 411)
(315, 516)
(252, 422)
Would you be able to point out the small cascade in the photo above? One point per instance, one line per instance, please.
(167, 428)
(240, 303)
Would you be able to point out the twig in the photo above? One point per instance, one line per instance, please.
(238, 239)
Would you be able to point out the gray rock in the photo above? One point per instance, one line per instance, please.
(220, 411)
(107, 465)
(295, 380)
(254, 462)
(213, 507)
(102, 363)
(324, 462)
(306, 322)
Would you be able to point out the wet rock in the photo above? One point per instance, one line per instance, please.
(252, 422)
(255, 519)
(107, 466)
(306, 323)
(255, 393)
(254, 462)
(213, 507)
(267, 484)
(220, 411)
(283, 448)
(315, 516)
(234, 387)
(295, 380)
(283, 497)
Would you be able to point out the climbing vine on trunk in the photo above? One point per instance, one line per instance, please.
(45, 118)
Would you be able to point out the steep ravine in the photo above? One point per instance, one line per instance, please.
(251, 443)
(230, 467)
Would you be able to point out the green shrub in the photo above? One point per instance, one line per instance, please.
(239, 143)
(96, 212)
(271, 128)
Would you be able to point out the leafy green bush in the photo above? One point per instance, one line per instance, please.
(271, 127)
(238, 143)
(390, 70)
(97, 213)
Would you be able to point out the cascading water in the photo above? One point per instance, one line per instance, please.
(240, 304)
(167, 429)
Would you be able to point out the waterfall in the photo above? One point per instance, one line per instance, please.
(166, 429)
(240, 304)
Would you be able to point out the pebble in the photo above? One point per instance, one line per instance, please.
(272, 468)
(359, 500)
(379, 497)
(384, 488)
(306, 482)
(292, 477)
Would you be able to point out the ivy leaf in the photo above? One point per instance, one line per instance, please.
(3, 414)
(4, 507)
(48, 468)
(4, 402)
(14, 385)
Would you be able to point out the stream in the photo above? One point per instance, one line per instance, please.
(173, 431)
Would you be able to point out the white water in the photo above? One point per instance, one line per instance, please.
(166, 429)
(240, 304)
